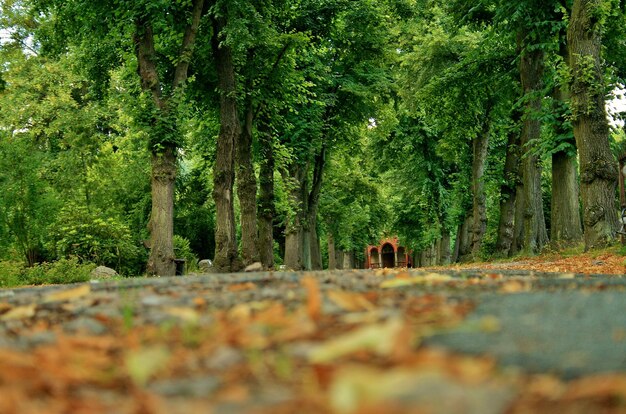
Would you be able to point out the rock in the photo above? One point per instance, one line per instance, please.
(205, 265)
(103, 272)
(191, 387)
(254, 267)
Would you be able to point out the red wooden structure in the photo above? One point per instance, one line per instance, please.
(388, 253)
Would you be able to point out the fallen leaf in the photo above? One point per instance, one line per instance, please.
(185, 314)
(142, 364)
(241, 286)
(427, 279)
(19, 312)
(380, 339)
(314, 297)
(68, 294)
(350, 301)
(597, 386)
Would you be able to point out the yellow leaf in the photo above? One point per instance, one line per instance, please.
(185, 314)
(350, 301)
(380, 338)
(144, 363)
(68, 294)
(427, 279)
(20, 312)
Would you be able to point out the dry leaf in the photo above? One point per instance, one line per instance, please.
(20, 312)
(241, 286)
(380, 339)
(314, 297)
(144, 363)
(185, 314)
(350, 301)
(427, 279)
(68, 294)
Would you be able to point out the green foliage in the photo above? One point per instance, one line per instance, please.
(182, 249)
(93, 237)
(59, 272)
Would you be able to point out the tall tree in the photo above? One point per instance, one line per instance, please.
(164, 147)
(591, 129)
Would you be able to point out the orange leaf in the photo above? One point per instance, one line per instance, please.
(350, 301)
(314, 297)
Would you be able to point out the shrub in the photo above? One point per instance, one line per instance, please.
(60, 272)
(10, 274)
(93, 238)
(182, 250)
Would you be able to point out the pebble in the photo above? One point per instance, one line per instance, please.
(85, 325)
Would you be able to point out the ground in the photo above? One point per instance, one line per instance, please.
(486, 338)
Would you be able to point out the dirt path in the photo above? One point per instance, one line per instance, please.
(342, 342)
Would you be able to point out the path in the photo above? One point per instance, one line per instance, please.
(344, 342)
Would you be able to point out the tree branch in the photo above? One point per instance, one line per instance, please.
(186, 50)
(146, 66)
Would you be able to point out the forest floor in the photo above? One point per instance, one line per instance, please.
(479, 338)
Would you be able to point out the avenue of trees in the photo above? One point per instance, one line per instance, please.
(296, 132)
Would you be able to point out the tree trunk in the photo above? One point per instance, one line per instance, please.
(464, 238)
(314, 245)
(161, 226)
(506, 225)
(444, 249)
(598, 170)
(534, 235)
(226, 255)
(299, 244)
(565, 228)
(565, 223)
(266, 197)
(314, 251)
(348, 260)
(246, 191)
(294, 231)
(332, 260)
(339, 258)
(480, 144)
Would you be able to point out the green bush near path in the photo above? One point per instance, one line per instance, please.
(13, 274)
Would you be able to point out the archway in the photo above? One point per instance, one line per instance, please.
(388, 257)
(374, 258)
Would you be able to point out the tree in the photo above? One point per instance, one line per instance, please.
(591, 129)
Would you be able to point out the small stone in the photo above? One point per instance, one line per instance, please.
(103, 272)
(205, 265)
(254, 267)
(224, 358)
(188, 387)
(85, 325)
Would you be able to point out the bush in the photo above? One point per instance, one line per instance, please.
(93, 238)
(10, 274)
(182, 250)
(60, 272)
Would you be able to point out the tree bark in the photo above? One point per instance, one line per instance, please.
(332, 259)
(565, 224)
(226, 255)
(534, 235)
(480, 144)
(315, 252)
(464, 237)
(598, 170)
(161, 225)
(294, 231)
(246, 191)
(266, 197)
(301, 239)
(444, 249)
(506, 225)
